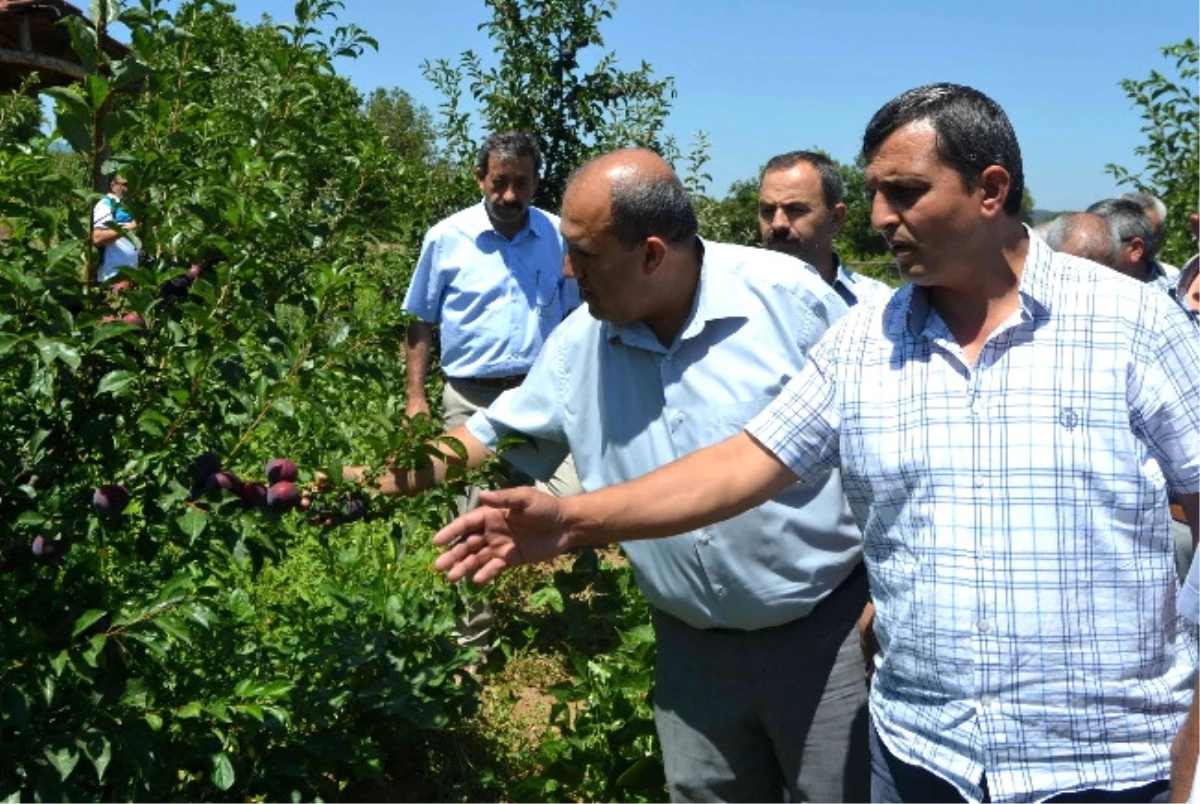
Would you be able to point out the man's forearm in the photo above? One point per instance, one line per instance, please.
(418, 342)
(104, 237)
(1183, 754)
(406, 482)
(710, 485)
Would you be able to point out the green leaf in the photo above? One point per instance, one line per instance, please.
(85, 621)
(54, 257)
(97, 89)
(193, 522)
(64, 760)
(7, 342)
(188, 710)
(116, 382)
(222, 771)
(154, 721)
(173, 627)
(547, 596)
(101, 758)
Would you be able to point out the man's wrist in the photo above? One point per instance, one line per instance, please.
(577, 526)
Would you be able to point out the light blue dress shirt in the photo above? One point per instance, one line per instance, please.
(495, 300)
(857, 288)
(1015, 523)
(623, 404)
(1189, 595)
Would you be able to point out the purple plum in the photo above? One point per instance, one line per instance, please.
(110, 500)
(283, 496)
(281, 469)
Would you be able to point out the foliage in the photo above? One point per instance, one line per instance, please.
(549, 81)
(187, 648)
(20, 118)
(405, 124)
(1171, 153)
(600, 743)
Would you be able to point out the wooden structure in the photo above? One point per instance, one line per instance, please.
(32, 40)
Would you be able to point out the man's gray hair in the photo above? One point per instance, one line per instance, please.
(1152, 202)
(1083, 234)
(657, 206)
(1128, 220)
(509, 145)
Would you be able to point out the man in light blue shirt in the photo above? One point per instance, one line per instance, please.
(801, 209)
(490, 277)
(759, 686)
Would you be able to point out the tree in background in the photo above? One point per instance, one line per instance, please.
(544, 82)
(1172, 149)
(406, 124)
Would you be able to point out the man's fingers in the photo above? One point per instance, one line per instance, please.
(464, 525)
(490, 570)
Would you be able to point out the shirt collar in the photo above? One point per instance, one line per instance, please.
(719, 295)
(840, 273)
(1036, 289)
(482, 224)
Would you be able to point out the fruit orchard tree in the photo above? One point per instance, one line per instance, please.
(1171, 154)
(553, 79)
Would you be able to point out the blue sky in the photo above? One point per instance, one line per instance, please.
(765, 77)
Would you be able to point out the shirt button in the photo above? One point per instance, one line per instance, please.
(720, 590)
(986, 701)
(704, 538)
(974, 408)
(984, 625)
(979, 481)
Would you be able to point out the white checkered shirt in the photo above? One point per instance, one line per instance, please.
(1015, 524)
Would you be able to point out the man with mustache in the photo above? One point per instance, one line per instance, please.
(801, 208)
(995, 424)
(490, 278)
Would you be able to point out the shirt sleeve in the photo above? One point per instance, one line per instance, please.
(1164, 388)
(102, 214)
(424, 297)
(533, 410)
(801, 426)
(1189, 598)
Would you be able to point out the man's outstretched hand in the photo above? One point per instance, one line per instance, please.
(510, 527)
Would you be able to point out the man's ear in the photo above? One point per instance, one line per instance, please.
(995, 182)
(1137, 248)
(656, 252)
(837, 217)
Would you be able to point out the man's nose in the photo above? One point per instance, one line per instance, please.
(883, 215)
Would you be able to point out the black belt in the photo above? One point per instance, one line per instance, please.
(498, 382)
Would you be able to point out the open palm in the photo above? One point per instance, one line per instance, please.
(510, 527)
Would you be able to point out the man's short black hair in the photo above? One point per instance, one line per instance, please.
(971, 130)
(833, 189)
(652, 207)
(509, 145)
(1128, 220)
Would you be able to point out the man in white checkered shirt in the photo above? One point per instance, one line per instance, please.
(1008, 426)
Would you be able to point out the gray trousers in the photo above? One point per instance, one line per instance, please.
(748, 715)
(460, 399)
